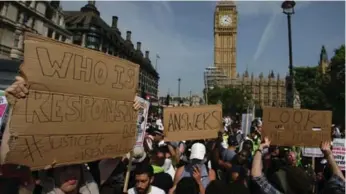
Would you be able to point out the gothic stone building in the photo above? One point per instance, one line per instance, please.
(266, 90)
(91, 31)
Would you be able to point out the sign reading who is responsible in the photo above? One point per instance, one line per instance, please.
(79, 107)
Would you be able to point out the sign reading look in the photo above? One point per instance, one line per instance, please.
(190, 123)
(79, 106)
(296, 127)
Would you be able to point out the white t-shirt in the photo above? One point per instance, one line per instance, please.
(153, 190)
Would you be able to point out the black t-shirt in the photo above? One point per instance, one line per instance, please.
(163, 181)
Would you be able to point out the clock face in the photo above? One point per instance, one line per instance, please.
(225, 20)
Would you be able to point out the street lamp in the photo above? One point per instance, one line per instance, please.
(288, 9)
(179, 80)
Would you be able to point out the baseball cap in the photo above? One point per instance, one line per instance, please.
(198, 151)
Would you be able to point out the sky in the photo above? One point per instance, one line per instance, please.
(181, 33)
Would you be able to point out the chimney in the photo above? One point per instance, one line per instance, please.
(92, 2)
(147, 54)
(128, 35)
(114, 21)
(139, 46)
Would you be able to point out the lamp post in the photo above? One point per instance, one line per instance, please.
(179, 80)
(157, 58)
(288, 9)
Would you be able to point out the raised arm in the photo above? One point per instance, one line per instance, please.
(325, 148)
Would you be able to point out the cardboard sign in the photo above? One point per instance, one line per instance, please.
(79, 107)
(296, 127)
(191, 123)
(339, 152)
(142, 120)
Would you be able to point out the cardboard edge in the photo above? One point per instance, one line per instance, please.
(28, 36)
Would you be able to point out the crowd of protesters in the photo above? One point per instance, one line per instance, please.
(232, 163)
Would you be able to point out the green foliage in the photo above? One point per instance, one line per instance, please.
(335, 88)
(309, 84)
(233, 99)
(324, 92)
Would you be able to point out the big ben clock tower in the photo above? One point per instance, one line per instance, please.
(225, 37)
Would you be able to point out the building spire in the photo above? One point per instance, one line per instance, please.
(246, 74)
(323, 55)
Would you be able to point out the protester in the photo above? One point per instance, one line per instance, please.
(162, 179)
(225, 165)
(144, 178)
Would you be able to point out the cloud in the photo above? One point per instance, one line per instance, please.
(267, 33)
(256, 8)
(153, 23)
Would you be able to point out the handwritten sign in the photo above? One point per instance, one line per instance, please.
(190, 123)
(312, 152)
(339, 152)
(296, 127)
(79, 106)
(142, 120)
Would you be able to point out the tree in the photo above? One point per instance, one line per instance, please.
(324, 91)
(234, 99)
(336, 85)
(309, 83)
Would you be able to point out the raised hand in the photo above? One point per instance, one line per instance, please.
(197, 174)
(266, 143)
(137, 104)
(18, 89)
(325, 147)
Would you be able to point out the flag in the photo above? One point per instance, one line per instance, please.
(157, 56)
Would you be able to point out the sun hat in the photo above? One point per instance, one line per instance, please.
(198, 151)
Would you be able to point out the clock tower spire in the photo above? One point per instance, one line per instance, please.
(225, 37)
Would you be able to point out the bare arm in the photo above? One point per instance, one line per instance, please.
(256, 170)
(325, 147)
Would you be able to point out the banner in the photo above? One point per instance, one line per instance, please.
(246, 121)
(312, 152)
(142, 120)
(3, 108)
(339, 152)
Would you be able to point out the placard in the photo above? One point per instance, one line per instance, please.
(312, 152)
(192, 123)
(339, 152)
(79, 107)
(142, 120)
(246, 120)
(296, 127)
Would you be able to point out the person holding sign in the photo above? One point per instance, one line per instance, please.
(65, 179)
(292, 179)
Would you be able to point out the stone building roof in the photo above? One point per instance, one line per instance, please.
(89, 16)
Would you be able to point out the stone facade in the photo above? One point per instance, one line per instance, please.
(41, 17)
(225, 38)
(91, 31)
